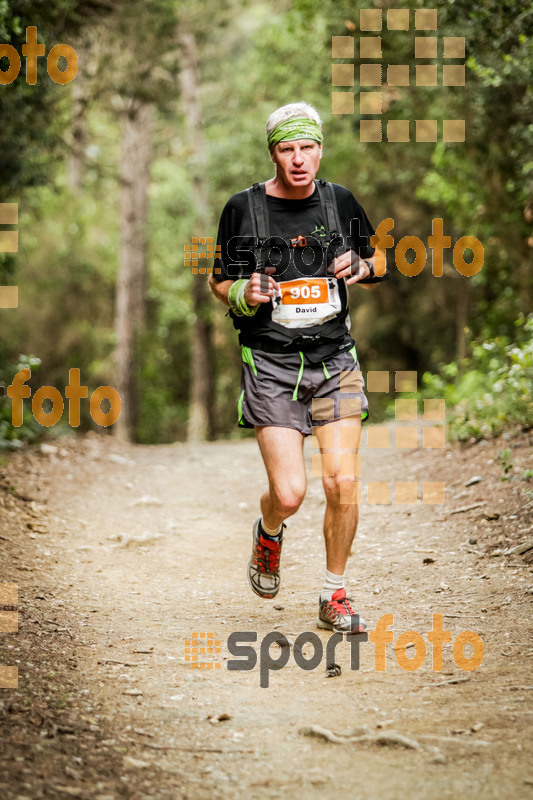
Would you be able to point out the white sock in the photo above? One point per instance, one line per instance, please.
(332, 583)
(270, 531)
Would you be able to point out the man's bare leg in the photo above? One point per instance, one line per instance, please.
(339, 442)
(282, 451)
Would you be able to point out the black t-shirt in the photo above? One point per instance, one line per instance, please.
(292, 223)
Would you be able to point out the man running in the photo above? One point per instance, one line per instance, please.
(288, 249)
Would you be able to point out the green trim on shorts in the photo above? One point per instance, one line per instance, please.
(300, 373)
(326, 373)
(239, 406)
(353, 351)
(248, 358)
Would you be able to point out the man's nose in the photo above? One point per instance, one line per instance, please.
(297, 156)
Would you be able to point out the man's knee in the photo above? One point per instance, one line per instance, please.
(332, 487)
(288, 498)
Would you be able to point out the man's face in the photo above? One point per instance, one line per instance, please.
(297, 162)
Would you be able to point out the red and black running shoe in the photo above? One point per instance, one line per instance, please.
(337, 615)
(263, 567)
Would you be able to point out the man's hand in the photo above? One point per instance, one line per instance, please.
(253, 293)
(350, 266)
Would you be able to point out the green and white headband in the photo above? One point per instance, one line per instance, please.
(296, 128)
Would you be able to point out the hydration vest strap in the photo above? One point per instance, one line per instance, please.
(329, 206)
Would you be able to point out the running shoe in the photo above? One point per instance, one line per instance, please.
(337, 615)
(263, 567)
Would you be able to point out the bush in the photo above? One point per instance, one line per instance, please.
(12, 438)
(491, 391)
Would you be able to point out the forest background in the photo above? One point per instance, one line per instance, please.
(116, 172)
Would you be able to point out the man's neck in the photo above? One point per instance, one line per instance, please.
(276, 188)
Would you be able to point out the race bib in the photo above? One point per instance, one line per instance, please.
(306, 301)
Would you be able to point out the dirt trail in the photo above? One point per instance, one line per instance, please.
(108, 707)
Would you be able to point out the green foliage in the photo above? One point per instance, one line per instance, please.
(12, 438)
(489, 392)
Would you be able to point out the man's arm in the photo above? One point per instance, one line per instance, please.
(252, 293)
(220, 289)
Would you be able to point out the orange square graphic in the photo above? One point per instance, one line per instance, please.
(453, 130)
(426, 74)
(377, 492)
(350, 465)
(377, 380)
(9, 242)
(9, 594)
(351, 381)
(347, 435)
(9, 213)
(370, 47)
(9, 677)
(328, 436)
(454, 46)
(405, 409)
(406, 438)
(342, 103)
(426, 130)
(425, 47)
(322, 464)
(434, 437)
(342, 75)
(433, 493)
(370, 19)
(426, 19)
(453, 75)
(378, 436)
(405, 381)
(406, 492)
(370, 130)
(370, 74)
(9, 621)
(398, 19)
(370, 103)
(398, 74)
(350, 493)
(435, 409)
(350, 407)
(9, 296)
(398, 130)
(342, 47)
(323, 408)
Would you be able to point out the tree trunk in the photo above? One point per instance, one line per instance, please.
(200, 424)
(132, 274)
(462, 308)
(78, 134)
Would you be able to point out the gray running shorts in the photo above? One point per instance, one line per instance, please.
(286, 390)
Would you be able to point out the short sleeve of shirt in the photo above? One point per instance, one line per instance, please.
(356, 227)
(234, 239)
